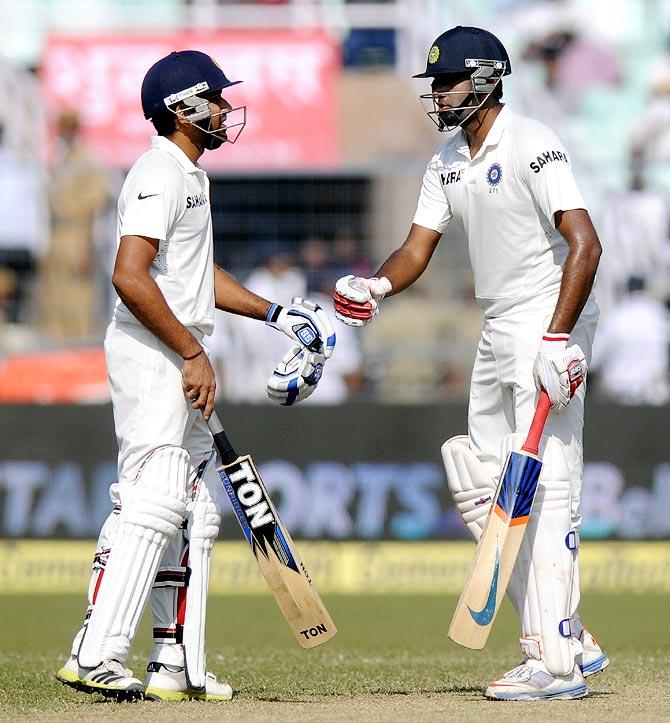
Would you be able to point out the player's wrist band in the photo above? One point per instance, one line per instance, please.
(273, 314)
(556, 336)
(193, 356)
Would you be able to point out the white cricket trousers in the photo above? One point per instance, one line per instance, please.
(503, 394)
(150, 407)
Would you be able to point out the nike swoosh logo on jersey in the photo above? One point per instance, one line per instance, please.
(140, 197)
(484, 616)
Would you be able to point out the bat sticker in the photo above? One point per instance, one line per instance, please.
(254, 513)
(485, 615)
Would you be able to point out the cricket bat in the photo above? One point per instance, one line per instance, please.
(271, 544)
(501, 538)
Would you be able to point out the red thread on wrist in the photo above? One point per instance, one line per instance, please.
(556, 337)
(188, 358)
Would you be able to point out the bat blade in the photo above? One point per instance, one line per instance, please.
(276, 554)
(498, 547)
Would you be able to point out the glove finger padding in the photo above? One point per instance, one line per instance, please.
(356, 299)
(296, 376)
(304, 322)
(352, 313)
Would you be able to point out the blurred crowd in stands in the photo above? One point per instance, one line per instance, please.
(57, 232)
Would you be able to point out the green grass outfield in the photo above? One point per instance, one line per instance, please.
(391, 660)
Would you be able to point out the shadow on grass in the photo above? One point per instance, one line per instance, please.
(463, 690)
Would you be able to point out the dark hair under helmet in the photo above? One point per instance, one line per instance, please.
(456, 50)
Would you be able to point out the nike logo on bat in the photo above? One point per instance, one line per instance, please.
(484, 616)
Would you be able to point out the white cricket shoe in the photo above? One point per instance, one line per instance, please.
(110, 679)
(532, 681)
(592, 660)
(166, 679)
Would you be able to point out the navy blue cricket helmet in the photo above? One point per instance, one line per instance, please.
(180, 75)
(468, 52)
(458, 51)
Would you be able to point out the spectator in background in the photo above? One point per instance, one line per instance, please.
(23, 226)
(79, 194)
(632, 349)
(277, 274)
(651, 132)
(7, 296)
(573, 64)
(573, 56)
(347, 255)
(635, 229)
(563, 63)
(314, 260)
(243, 356)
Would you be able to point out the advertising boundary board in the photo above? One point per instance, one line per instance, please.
(58, 567)
(360, 471)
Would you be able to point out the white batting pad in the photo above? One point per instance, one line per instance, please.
(179, 597)
(152, 510)
(545, 565)
(471, 486)
(203, 517)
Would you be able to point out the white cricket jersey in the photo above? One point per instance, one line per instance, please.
(166, 197)
(505, 199)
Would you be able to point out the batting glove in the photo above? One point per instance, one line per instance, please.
(559, 369)
(296, 376)
(304, 322)
(356, 300)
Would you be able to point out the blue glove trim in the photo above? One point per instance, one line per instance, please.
(273, 313)
(291, 392)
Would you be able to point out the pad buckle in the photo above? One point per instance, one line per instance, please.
(573, 540)
(565, 628)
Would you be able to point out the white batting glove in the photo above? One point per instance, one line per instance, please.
(304, 322)
(559, 369)
(295, 377)
(356, 300)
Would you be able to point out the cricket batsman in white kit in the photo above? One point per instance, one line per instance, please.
(157, 543)
(507, 181)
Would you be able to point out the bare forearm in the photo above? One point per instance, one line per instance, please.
(231, 296)
(579, 272)
(140, 293)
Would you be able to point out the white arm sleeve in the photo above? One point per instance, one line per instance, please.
(433, 210)
(545, 167)
(154, 202)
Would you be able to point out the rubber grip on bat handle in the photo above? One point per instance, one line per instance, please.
(532, 443)
(221, 440)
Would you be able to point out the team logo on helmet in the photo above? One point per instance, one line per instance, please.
(434, 54)
(494, 174)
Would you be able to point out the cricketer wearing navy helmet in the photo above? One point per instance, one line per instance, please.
(190, 82)
(507, 181)
(464, 54)
(156, 544)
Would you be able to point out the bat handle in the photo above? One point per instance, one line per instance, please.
(532, 442)
(221, 441)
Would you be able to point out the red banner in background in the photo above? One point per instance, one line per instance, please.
(62, 376)
(289, 90)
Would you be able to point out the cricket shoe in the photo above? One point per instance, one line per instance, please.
(110, 679)
(166, 679)
(592, 659)
(532, 681)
